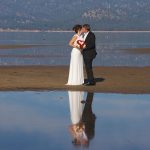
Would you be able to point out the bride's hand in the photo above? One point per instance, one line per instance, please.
(76, 46)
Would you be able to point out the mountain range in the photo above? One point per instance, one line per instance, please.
(63, 14)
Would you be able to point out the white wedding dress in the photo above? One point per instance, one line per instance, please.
(76, 111)
(76, 107)
(76, 76)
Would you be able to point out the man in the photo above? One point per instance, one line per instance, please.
(89, 53)
(88, 117)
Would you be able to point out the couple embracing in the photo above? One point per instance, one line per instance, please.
(84, 51)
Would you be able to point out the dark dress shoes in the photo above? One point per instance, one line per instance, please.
(84, 83)
(89, 84)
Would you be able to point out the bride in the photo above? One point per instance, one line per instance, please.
(77, 128)
(76, 76)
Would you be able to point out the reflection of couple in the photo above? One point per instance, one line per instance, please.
(82, 117)
(84, 49)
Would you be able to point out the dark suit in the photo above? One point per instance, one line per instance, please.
(89, 53)
(88, 117)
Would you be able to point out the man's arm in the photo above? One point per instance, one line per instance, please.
(90, 43)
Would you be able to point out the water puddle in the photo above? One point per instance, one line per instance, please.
(74, 120)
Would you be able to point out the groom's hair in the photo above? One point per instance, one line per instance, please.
(87, 26)
(77, 27)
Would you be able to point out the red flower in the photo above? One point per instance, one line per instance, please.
(81, 43)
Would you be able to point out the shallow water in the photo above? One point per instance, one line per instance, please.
(42, 119)
(52, 48)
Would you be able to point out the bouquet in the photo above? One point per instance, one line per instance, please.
(81, 44)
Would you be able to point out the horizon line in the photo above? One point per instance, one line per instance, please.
(37, 30)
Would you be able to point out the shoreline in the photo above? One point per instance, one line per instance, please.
(125, 80)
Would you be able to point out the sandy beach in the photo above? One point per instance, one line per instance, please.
(17, 46)
(138, 50)
(109, 79)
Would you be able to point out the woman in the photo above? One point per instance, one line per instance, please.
(77, 128)
(76, 76)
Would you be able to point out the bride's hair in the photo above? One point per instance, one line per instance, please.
(77, 27)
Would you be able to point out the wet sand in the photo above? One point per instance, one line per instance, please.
(109, 79)
(139, 50)
(16, 46)
(20, 46)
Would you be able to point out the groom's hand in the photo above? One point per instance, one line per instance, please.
(84, 46)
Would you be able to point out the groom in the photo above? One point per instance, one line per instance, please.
(89, 53)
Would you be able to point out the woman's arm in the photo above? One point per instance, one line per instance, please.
(71, 42)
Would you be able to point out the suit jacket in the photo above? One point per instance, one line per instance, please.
(90, 51)
(88, 117)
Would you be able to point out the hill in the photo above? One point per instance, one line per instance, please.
(63, 14)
